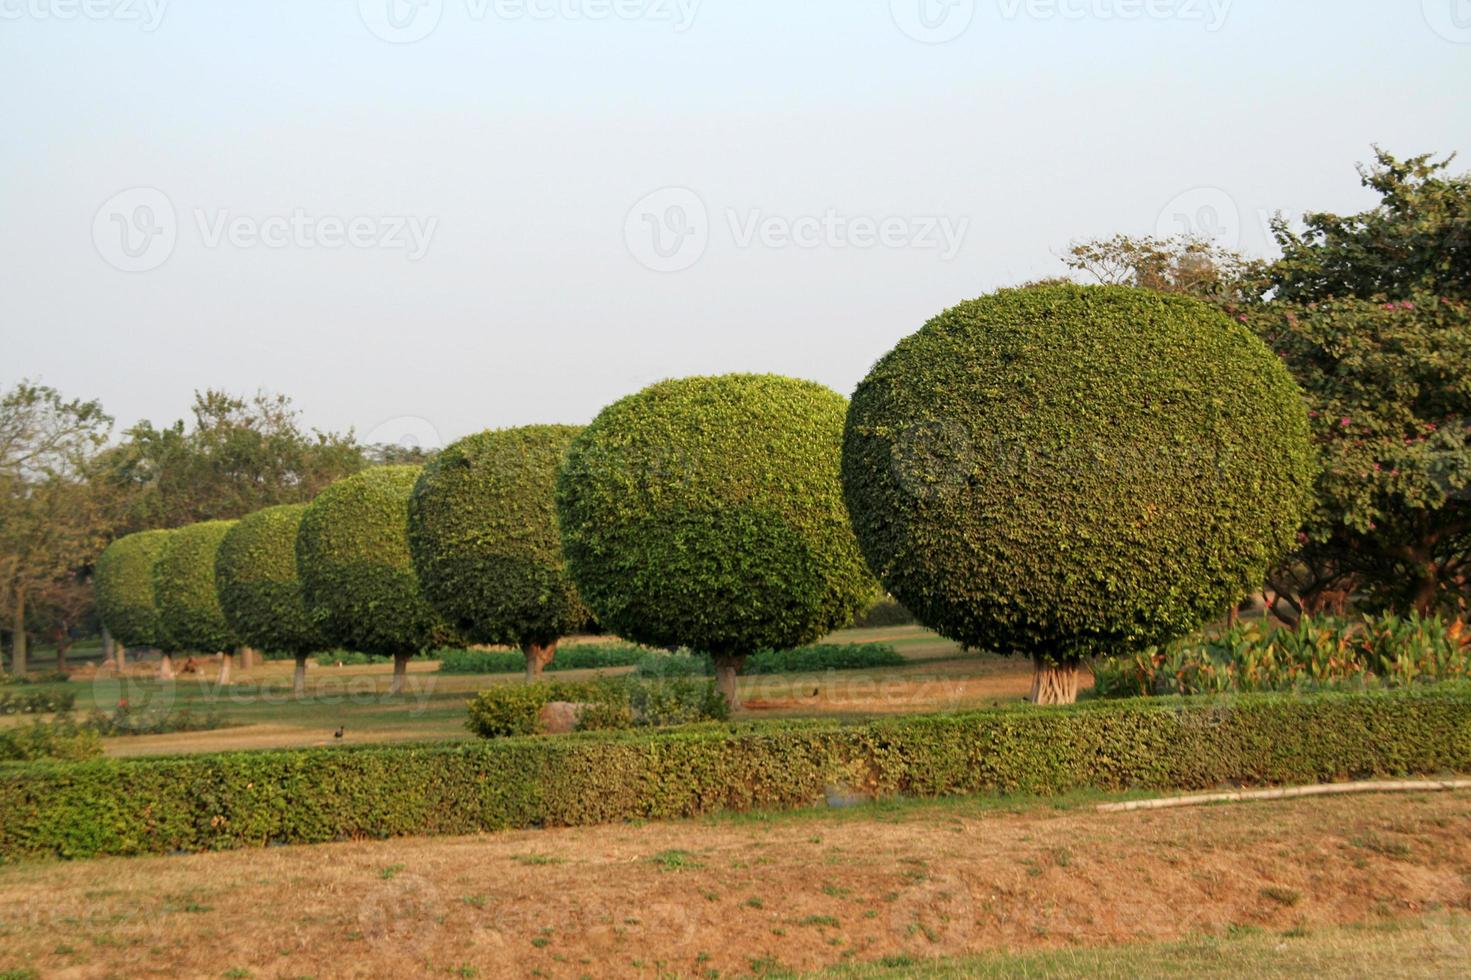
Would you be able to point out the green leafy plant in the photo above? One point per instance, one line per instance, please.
(507, 710)
(707, 513)
(588, 656)
(36, 702)
(184, 584)
(487, 551)
(125, 594)
(357, 577)
(260, 589)
(1067, 471)
(813, 659)
(60, 739)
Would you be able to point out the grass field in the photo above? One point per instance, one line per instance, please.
(262, 713)
(1367, 886)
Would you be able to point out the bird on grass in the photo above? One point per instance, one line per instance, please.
(338, 734)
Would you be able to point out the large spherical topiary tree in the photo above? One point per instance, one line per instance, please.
(487, 551)
(188, 602)
(707, 513)
(1065, 471)
(125, 596)
(260, 591)
(357, 577)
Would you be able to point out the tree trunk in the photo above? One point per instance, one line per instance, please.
(298, 679)
(226, 659)
(400, 670)
(726, 669)
(18, 637)
(109, 648)
(1427, 596)
(122, 655)
(248, 658)
(538, 655)
(165, 666)
(63, 644)
(1054, 683)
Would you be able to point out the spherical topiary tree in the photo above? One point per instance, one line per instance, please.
(188, 603)
(487, 551)
(260, 591)
(357, 577)
(1065, 471)
(125, 597)
(708, 513)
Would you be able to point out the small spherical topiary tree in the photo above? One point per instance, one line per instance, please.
(125, 596)
(708, 513)
(1065, 472)
(188, 603)
(357, 577)
(260, 591)
(487, 551)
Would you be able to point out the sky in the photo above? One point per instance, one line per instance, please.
(424, 218)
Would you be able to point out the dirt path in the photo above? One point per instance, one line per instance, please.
(741, 895)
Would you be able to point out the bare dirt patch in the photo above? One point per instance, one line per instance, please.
(743, 895)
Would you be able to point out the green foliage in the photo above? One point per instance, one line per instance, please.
(587, 656)
(43, 702)
(356, 574)
(886, 612)
(259, 590)
(184, 584)
(514, 709)
(60, 739)
(707, 513)
(350, 658)
(1067, 471)
(124, 720)
(125, 595)
(214, 802)
(1321, 654)
(804, 660)
(483, 533)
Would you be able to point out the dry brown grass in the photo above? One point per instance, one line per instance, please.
(741, 894)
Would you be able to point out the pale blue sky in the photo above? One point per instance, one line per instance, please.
(511, 150)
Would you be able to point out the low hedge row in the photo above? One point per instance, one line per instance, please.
(588, 656)
(212, 802)
(803, 660)
(36, 702)
(610, 705)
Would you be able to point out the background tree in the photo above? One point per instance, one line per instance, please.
(707, 513)
(357, 574)
(125, 593)
(184, 588)
(235, 458)
(1189, 266)
(51, 522)
(1066, 472)
(486, 546)
(259, 588)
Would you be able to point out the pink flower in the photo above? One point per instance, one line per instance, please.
(1345, 422)
(1407, 305)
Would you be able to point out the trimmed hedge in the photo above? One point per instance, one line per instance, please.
(613, 705)
(483, 533)
(260, 591)
(1072, 471)
(125, 597)
(803, 660)
(589, 656)
(184, 582)
(357, 578)
(199, 803)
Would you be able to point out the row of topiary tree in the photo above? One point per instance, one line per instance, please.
(1060, 472)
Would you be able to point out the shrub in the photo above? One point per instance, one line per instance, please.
(260, 590)
(707, 513)
(126, 721)
(36, 702)
(357, 578)
(886, 612)
(125, 597)
(507, 710)
(61, 739)
(590, 656)
(184, 583)
(804, 660)
(1321, 654)
(213, 802)
(483, 533)
(1065, 472)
